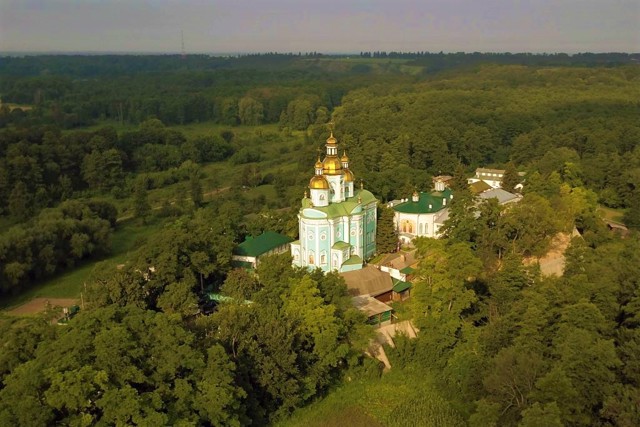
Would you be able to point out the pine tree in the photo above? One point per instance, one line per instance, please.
(387, 234)
(510, 178)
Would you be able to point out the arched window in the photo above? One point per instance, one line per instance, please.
(323, 259)
(311, 260)
(322, 197)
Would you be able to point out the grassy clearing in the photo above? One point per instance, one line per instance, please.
(399, 398)
(611, 214)
(217, 177)
(127, 237)
(12, 106)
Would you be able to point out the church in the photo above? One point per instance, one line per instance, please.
(337, 222)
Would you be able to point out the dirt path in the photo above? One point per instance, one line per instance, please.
(155, 208)
(38, 305)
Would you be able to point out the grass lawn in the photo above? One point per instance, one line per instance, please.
(69, 284)
(216, 176)
(399, 398)
(611, 214)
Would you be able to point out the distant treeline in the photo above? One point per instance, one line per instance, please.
(91, 66)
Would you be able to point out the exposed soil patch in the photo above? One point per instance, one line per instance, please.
(38, 305)
(552, 263)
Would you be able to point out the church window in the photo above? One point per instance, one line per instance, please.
(323, 236)
(353, 231)
(311, 260)
(323, 259)
(310, 236)
(296, 255)
(322, 197)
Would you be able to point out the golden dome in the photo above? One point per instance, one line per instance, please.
(319, 182)
(331, 139)
(344, 158)
(348, 175)
(332, 166)
(318, 164)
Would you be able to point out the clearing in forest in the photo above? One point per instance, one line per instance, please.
(38, 305)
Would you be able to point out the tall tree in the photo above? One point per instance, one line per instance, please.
(141, 206)
(250, 111)
(387, 234)
(195, 187)
(510, 178)
(20, 201)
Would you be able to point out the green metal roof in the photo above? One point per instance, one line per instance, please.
(334, 210)
(262, 244)
(241, 264)
(213, 296)
(400, 286)
(433, 199)
(407, 270)
(479, 187)
(340, 245)
(354, 260)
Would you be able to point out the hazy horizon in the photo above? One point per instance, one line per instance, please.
(339, 27)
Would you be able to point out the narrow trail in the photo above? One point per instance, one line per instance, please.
(208, 194)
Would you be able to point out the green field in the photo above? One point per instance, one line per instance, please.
(217, 179)
(69, 284)
(399, 398)
(611, 214)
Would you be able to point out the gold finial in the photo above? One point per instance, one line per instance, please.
(359, 199)
(331, 125)
(305, 194)
(362, 184)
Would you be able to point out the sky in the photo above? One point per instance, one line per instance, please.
(327, 26)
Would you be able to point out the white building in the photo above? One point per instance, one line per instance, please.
(337, 222)
(423, 214)
(493, 177)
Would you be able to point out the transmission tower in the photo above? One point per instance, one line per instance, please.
(182, 52)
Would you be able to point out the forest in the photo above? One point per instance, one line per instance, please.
(197, 153)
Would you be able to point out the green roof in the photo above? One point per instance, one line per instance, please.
(354, 260)
(265, 242)
(479, 187)
(433, 199)
(407, 270)
(340, 245)
(400, 286)
(334, 210)
(241, 264)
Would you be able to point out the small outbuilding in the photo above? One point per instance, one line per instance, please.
(378, 313)
(247, 254)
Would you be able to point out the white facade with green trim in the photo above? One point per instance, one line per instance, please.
(337, 223)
